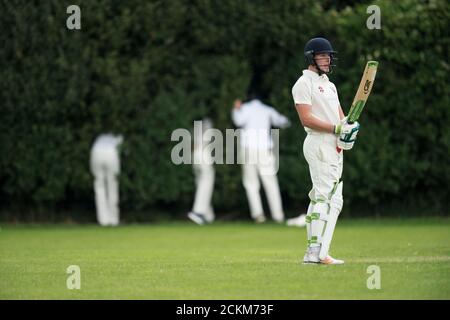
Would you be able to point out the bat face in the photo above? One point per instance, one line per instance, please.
(363, 92)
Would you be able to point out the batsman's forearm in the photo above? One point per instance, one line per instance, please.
(315, 123)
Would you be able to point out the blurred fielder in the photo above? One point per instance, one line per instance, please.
(202, 210)
(320, 112)
(105, 166)
(256, 120)
(299, 221)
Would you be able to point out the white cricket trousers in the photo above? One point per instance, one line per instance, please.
(105, 166)
(204, 181)
(261, 164)
(325, 164)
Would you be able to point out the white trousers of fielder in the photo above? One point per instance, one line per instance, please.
(105, 166)
(261, 164)
(204, 181)
(325, 167)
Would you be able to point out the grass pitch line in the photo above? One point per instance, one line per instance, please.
(416, 259)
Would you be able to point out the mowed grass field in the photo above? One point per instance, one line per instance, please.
(237, 260)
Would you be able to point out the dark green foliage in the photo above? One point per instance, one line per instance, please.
(145, 68)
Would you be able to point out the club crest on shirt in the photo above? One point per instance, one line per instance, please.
(321, 89)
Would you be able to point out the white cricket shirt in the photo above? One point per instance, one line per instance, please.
(256, 119)
(106, 141)
(320, 93)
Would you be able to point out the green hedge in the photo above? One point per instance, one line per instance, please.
(145, 68)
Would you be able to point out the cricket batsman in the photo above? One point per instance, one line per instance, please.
(328, 133)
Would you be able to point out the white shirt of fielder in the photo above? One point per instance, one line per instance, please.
(256, 119)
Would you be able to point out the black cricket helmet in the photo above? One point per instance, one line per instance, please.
(318, 45)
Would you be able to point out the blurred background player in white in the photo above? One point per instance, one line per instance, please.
(256, 143)
(299, 221)
(105, 166)
(202, 210)
(320, 112)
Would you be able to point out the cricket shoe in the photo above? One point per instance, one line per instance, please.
(260, 219)
(331, 260)
(278, 220)
(306, 257)
(299, 221)
(197, 218)
(312, 256)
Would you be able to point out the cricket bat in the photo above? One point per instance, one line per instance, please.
(365, 86)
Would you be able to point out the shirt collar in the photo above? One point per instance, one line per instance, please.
(313, 75)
